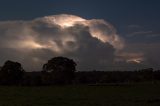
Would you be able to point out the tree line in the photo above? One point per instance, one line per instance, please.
(62, 71)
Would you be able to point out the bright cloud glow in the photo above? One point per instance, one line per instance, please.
(131, 57)
(63, 20)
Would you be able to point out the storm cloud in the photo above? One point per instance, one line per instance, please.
(93, 44)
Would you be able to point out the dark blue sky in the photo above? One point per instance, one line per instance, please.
(120, 13)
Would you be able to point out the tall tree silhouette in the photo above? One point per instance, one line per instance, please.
(60, 70)
(11, 73)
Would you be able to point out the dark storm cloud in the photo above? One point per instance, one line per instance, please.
(34, 42)
(93, 44)
(91, 52)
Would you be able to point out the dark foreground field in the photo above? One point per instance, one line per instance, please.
(110, 95)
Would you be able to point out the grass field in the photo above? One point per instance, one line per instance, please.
(82, 95)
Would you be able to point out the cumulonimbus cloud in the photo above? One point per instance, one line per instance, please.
(92, 43)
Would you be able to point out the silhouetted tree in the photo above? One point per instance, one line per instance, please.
(60, 70)
(11, 73)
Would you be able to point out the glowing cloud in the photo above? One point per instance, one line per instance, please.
(99, 29)
(63, 20)
(93, 43)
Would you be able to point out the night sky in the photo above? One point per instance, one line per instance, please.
(104, 34)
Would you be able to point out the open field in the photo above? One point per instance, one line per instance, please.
(82, 95)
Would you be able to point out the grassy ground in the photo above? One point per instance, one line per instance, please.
(133, 95)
